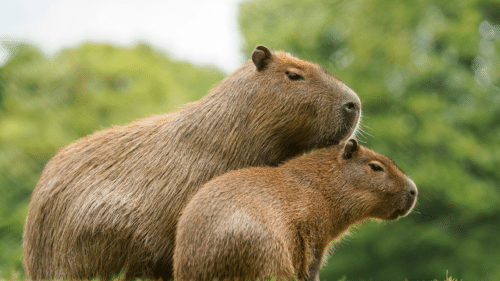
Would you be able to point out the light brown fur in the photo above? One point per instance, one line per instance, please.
(110, 201)
(254, 222)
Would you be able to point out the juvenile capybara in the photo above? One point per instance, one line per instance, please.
(111, 201)
(259, 222)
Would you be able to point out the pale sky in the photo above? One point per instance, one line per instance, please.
(201, 31)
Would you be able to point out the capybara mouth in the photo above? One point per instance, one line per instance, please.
(341, 135)
(409, 202)
(348, 131)
(403, 212)
(398, 213)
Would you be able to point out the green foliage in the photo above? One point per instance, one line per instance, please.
(45, 103)
(427, 73)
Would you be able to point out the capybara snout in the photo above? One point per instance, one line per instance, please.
(351, 113)
(409, 199)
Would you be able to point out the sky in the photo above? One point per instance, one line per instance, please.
(200, 31)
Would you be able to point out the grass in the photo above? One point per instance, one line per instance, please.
(16, 276)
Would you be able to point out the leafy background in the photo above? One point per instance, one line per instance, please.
(427, 73)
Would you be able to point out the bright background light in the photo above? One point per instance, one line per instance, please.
(203, 32)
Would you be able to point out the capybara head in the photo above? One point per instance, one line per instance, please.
(372, 184)
(297, 103)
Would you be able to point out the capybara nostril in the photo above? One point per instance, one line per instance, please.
(350, 108)
(412, 193)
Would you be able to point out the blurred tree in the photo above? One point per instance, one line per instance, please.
(45, 103)
(428, 74)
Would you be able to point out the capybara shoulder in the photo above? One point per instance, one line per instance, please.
(256, 223)
(111, 201)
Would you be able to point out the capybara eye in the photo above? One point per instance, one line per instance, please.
(376, 167)
(294, 76)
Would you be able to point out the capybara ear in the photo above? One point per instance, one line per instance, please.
(261, 56)
(350, 147)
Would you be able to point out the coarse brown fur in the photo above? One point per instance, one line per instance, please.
(259, 222)
(110, 201)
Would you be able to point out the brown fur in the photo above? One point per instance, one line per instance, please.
(249, 223)
(111, 200)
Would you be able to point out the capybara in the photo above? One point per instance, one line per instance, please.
(259, 222)
(111, 201)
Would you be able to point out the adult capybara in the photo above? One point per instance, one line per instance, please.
(259, 222)
(110, 201)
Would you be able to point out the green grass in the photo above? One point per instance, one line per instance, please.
(16, 276)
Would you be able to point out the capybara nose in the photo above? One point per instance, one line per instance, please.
(350, 112)
(412, 193)
(411, 197)
(351, 108)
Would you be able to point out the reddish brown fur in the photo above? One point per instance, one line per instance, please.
(249, 223)
(111, 200)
